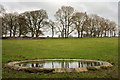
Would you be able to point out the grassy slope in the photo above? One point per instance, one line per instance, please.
(86, 48)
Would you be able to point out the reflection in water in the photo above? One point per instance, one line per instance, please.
(61, 64)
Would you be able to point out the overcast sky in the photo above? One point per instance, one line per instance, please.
(108, 9)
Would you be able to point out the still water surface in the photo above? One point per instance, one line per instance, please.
(60, 64)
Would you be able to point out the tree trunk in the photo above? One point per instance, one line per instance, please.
(65, 34)
(101, 34)
(98, 34)
(114, 34)
(105, 33)
(20, 34)
(87, 34)
(13, 34)
(10, 33)
(11, 28)
(110, 33)
(36, 33)
(32, 33)
(81, 34)
(91, 33)
(78, 34)
(62, 34)
(68, 31)
(52, 31)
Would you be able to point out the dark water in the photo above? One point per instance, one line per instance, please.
(60, 64)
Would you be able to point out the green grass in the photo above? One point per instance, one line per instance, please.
(105, 49)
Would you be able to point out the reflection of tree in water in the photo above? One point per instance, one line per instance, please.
(19, 64)
(25, 65)
(32, 65)
(41, 65)
(95, 64)
(37, 65)
(82, 64)
(66, 64)
(62, 64)
(92, 64)
(59, 64)
(52, 64)
(79, 64)
(87, 64)
(98, 63)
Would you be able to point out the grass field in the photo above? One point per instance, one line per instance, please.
(87, 48)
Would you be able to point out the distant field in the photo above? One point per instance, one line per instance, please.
(86, 48)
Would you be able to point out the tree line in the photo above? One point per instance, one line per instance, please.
(67, 21)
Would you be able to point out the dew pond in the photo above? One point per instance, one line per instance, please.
(60, 64)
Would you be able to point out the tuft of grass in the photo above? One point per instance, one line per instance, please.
(92, 68)
(37, 70)
(105, 67)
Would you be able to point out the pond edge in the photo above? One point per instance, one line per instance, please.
(19, 68)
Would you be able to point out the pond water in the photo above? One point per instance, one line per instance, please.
(60, 64)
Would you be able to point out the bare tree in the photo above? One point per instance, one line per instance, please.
(4, 27)
(106, 27)
(35, 21)
(86, 25)
(38, 17)
(79, 19)
(63, 16)
(15, 24)
(97, 25)
(23, 30)
(93, 24)
(113, 28)
(51, 25)
(67, 21)
(102, 24)
(2, 10)
(10, 21)
(29, 22)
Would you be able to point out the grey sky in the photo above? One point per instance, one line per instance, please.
(107, 10)
(104, 9)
